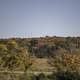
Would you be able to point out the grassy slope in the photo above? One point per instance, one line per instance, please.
(41, 64)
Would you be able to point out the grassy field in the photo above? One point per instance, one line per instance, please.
(41, 64)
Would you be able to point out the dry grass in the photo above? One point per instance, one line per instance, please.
(41, 64)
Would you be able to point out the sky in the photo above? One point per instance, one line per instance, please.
(37, 18)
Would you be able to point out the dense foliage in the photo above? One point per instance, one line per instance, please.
(63, 54)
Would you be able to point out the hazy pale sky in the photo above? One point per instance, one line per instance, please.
(27, 18)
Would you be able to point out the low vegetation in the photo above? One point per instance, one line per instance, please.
(21, 58)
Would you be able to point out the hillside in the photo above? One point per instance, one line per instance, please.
(17, 53)
(43, 56)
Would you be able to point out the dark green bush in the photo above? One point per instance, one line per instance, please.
(65, 75)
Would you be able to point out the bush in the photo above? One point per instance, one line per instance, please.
(64, 75)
